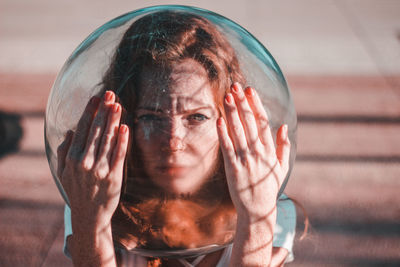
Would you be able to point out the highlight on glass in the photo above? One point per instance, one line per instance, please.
(169, 68)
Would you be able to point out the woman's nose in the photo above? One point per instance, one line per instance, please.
(176, 144)
(176, 136)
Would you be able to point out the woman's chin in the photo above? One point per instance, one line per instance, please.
(178, 185)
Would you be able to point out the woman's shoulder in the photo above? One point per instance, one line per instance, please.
(285, 207)
(285, 227)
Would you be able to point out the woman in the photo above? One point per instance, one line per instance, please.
(191, 136)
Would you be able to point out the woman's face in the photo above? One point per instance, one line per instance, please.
(175, 129)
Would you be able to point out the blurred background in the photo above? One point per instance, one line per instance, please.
(342, 62)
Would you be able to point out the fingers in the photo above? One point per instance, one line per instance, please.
(283, 147)
(97, 129)
(228, 151)
(104, 138)
(247, 120)
(120, 149)
(246, 115)
(261, 118)
(235, 127)
(62, 151)
(109, 137)
(82, 131)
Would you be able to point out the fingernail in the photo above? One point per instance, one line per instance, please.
(124, 128)
(236, 87)
(220, 121)
(108, 95)
(229, 98)
(249, 91)
(116, 107)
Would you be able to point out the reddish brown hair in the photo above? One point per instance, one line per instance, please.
(162, 39)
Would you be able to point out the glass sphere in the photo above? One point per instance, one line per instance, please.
(162, 62)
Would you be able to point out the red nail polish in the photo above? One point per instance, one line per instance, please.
(116, 107)
(235, 88)
(108, 95)
(249, 91)
(124, 128)
(220, 121)
(229, 98)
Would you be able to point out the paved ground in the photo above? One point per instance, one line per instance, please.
(342, 60)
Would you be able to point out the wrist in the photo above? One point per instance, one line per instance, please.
(247, 220)
(89, 224)
(253, 240)
(93, 248)
(257, 212)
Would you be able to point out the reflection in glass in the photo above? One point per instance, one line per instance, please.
(170, 67)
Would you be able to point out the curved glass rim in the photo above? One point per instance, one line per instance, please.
(177, 253)
(118, 21)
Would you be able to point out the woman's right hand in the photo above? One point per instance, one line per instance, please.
(90, 167)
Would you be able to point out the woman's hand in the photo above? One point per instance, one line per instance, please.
(90, 168)
(255, 169)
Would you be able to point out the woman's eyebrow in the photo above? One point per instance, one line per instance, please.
(152, 109)
(193, 110)
(183, 110)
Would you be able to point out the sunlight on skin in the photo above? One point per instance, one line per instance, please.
(255, 169)
(176, 127)
(92, 176)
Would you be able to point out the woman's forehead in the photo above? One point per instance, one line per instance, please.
(187, 69)
(192, 98)
(182, 72)
(185, 85)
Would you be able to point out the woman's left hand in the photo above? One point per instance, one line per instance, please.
(255, 169)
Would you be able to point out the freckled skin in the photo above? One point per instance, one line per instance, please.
(176, 133)
(178, 157)
(175, 129)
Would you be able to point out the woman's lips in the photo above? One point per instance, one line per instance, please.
(172, 169)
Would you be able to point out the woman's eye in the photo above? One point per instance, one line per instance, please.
(197, 117)
(149, 117)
